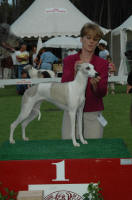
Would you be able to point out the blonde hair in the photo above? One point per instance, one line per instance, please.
(91, 27)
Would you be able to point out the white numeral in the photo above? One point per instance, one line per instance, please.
(60, 171)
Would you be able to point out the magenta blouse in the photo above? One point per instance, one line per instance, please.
(94, 101)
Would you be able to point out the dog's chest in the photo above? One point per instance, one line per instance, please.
(59, 92)
(81, 100)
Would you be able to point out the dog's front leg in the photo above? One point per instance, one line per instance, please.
(72, 115)
(80, 122)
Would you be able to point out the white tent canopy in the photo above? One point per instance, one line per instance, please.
(119, 37)
(125, 25)
(50, 18)
(63, 42)
(66, 42)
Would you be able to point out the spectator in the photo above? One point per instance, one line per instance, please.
(7, 67)
(103, 52)
(23, 87)
(22, 57)
(47, 59)
(15, 64)
(96, 87)
(34, 55)
(128, 54)
(37, 59)
(112, 71)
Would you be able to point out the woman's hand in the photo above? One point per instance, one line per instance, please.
(94, 82)
(129, 87)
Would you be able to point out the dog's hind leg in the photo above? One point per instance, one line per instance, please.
(34, 113)
(72, 124)
(79, 123)
(25, 112)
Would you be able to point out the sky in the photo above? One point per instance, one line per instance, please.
(10, 1)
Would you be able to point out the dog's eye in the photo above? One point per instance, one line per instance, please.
(88, 68)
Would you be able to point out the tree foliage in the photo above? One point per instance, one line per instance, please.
(107, 13)
(10, 12)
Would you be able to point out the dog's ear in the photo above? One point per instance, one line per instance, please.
(40, 75)
(78, 66)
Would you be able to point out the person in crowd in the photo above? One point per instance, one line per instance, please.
(128, 55)
(15, 63)
(47, 59)
(7, 67)
(23, 87)
(34, 55)
(22, 57)
(129, 83)
(96, 87)
(37, 59)
(112, 70)
(103, 52)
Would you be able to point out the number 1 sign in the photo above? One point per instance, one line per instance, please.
(60, 171)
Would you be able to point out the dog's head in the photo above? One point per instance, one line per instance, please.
(28, 67)
(87, 69)
(7, 39)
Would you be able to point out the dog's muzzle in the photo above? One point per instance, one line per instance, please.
(96, 74)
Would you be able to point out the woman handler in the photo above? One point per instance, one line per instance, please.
(96, 87)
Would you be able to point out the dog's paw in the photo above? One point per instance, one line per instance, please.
(85, 142)
(76, 144)
(12, 141)
(25, 138)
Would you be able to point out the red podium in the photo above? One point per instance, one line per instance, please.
(114, 174)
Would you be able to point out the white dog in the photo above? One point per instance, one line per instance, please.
(34, 73)
(69, 96)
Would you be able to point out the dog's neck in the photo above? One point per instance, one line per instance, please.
(81, 79)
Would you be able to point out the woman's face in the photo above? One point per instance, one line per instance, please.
(89, 42)
(34, 49)
(23, 47)
(109, 60)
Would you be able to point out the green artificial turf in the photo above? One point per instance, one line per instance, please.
(64, 149)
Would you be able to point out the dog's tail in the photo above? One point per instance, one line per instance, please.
(39, 115)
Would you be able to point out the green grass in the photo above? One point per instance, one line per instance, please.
(117, 111)
(49, 127)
